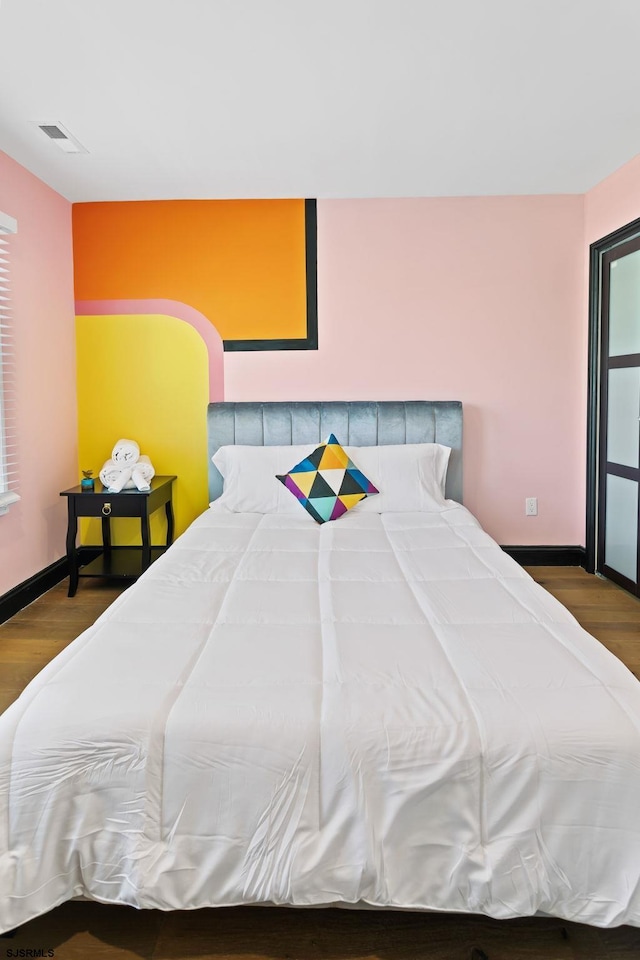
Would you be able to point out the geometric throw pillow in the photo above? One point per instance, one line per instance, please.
(327, 483)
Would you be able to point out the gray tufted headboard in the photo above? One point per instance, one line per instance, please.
(356, 423)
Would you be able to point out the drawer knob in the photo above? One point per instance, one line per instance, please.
(106, 509)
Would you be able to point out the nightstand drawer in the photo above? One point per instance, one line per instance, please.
(110, 505)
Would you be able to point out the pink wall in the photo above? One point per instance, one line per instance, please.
(613, 203)
(476, 299)
(32, 533)
(479, 299)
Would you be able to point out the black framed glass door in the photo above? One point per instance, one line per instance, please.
(618, 556)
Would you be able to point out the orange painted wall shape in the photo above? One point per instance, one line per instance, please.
(241, 263)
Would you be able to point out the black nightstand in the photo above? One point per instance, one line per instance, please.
(127, 562)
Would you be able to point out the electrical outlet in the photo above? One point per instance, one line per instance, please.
(531, 507)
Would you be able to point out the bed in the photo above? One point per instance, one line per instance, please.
(381, 711)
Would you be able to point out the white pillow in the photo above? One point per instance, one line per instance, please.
(250, 482)
(410, 477)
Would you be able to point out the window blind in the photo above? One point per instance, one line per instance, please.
(8, 432)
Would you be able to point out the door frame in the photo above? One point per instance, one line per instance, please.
(596, 252)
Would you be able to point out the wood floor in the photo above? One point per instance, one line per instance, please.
(90, 931)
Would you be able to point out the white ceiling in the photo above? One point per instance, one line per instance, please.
(330, 98)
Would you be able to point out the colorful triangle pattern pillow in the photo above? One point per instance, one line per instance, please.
(327, 482)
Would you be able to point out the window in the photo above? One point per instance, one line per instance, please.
(8, 466)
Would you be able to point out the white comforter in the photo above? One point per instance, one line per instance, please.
(385, 709)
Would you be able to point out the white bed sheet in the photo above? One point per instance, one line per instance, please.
(383, 710)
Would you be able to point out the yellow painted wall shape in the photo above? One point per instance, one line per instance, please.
(144, 377)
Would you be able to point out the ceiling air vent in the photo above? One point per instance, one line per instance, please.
(52, 131)
(61, 137)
